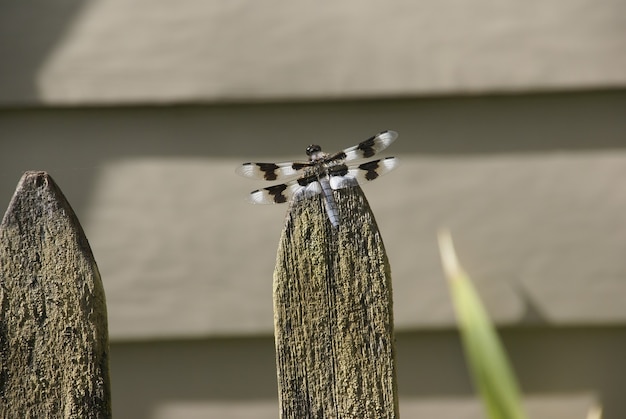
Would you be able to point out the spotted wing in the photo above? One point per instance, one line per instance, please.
(272, 171)
(369, 147)
(278, 194)
(342, 176)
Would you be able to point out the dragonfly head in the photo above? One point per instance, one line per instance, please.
(314, 152)
(312, 149)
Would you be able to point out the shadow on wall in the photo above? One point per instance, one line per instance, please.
(29, 33)
(72, 143)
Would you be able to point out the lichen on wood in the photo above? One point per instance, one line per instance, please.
(53, 321)
(333, 314)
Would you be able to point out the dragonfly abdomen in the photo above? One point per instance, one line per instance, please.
(329, 202)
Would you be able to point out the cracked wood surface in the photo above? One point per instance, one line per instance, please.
(53, 321)
(333, 314)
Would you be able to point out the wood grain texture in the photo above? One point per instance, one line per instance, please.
(53, 330)
(333, 314)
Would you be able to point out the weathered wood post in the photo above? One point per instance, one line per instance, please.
(53, 321)
(333, 314)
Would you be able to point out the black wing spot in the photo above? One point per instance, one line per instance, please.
(269, 170)
(336, 157)
(367, 147)
(304, 181)
(300, 165)
(338, 170)
(277, 194)
(370, 169)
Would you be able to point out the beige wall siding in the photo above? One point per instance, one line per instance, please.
(111, 51)
(531, 188)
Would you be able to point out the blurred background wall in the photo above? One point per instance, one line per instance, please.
(512, 130)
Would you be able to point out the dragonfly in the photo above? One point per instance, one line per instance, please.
(322, 173)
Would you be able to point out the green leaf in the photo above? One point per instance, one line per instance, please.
(488, 363)
(595, 412)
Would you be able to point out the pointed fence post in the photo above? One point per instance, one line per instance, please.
(53, 321)
(333, 314)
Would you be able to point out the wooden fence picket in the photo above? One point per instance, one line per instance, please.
(333, 314)
(53, 321)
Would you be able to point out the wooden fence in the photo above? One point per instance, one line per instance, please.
(332, 309)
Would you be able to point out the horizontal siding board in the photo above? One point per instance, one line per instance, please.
(149, 51)
(531, 188)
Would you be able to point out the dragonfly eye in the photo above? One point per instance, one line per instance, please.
(313, 148)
